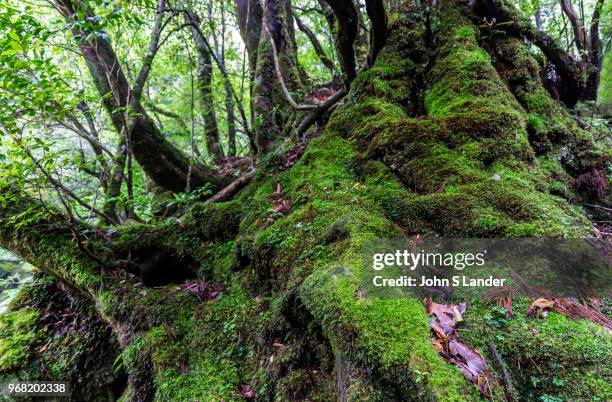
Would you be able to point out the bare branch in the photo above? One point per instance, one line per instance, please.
(152, 49)
(329, 63)
(311, 118)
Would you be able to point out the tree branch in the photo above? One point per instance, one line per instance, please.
(327, 62)
(348, 24)
(311, 118)
(574, 18)
(152, 49)
(378, 19)
(164, 163)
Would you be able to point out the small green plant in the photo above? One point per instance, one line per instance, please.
(490, 29)
(183, 199)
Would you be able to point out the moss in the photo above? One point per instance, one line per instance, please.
(552, 130)
(475, 130)
(18, 333)
(556, 356)
(458, 160)
(399, 351)
(56, 336)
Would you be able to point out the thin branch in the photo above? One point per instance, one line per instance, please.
(232, 188)
(279, 76)
(152, 49)
(82, 132)
(56, 183)
(327, 62)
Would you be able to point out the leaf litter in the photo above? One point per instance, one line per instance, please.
(446, 318)
(569, 308)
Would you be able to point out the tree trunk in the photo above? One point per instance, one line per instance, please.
(346, 33)
(162, 161)
(270, 106)
(243, 299)
(596, 55)
(113, 190)
(249, 15)
(205, 77)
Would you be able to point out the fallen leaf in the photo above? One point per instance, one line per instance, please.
(44, 347)
(246, 391)
(470, 362)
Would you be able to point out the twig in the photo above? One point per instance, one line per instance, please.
(57, 185)
(510, 393)
(597, 206)
(279, 76)
(151, 51)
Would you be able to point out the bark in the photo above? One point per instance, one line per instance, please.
(229, 101)
(249, 15)
(277, 74)
(346, 33)
(588, 45)
(594, 64)
(278, 18)
(566, 67)
(266, 99)
(205, 77)
(162, 161)
(577, 27)
(231, 123)
(378, 19)
(329, 16)
(113, 190)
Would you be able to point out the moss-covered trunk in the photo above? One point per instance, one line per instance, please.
(414, 149)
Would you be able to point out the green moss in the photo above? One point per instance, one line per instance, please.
(50, 335)
(555, 356)
(18, 332)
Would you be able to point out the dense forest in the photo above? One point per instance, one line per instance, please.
(186, 188)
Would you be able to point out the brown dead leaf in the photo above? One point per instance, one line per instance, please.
(44, 347)
(438, 345)
(246, 391)
(471, 363)
(280, 202)
(447, 315)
